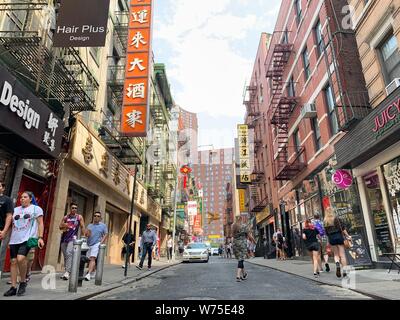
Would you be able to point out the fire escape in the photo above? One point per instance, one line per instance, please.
(58, 75)
(288, 159)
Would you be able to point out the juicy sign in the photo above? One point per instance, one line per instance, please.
(390, 115)
(134, 116)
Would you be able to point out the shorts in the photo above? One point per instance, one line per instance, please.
(19, 249)
(336, 239)
(313, 247)
(93, 250)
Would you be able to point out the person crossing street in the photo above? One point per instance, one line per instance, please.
(148, 241)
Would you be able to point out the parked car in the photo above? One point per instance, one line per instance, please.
(214, 251)
(196, 252)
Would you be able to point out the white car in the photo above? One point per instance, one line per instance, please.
(196, 252)
(214, 251)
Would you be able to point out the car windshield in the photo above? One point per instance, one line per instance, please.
(197, 246)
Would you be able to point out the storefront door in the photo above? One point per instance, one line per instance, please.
(378, 213)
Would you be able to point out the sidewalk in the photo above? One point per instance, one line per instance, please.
(377, 283)
(113, 277)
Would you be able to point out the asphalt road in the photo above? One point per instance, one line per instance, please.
(216, 280)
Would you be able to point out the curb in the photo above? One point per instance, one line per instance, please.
(125, 282)
(373, 296)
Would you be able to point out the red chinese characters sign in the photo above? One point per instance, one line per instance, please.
(134, 115)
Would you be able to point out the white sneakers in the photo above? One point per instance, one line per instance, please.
(87, 277)
(65, 276)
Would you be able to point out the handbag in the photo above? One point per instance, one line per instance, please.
(32, 241)
(347, 243)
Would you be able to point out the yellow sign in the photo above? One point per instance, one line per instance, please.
(242, 200)
(214, 236)
(244, 153)
(260, 216)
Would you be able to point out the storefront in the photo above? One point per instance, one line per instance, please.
(372, 151)
(29, 129)
(319, 192)
(94, 178)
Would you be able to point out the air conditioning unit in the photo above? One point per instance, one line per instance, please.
(393, 86)
(308, 111)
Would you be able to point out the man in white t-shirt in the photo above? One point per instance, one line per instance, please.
(27, 223)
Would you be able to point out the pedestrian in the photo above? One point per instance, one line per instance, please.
(297, 242)
(96, 233)
(27, 233)
(337, 233)
(240, 235)
(265, 247)
(229, 250)
(138, 246)
(324, 242)
(279, 241)
(181, 247)
(220, 251)
(6, 212)
(71, 225)
(310, 237)
(128, 240)
(169, 248)
(149, 240)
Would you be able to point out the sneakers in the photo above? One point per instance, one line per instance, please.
(149, 269)
(11, 292)
(327, 268)
(87, 277)
(316, 275)
(65, 276)
(21, 289)
(344, 274)
(245, 276)
(338, 273)
(238, 279)
(28, 277)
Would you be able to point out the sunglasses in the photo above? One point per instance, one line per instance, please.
(25, 216)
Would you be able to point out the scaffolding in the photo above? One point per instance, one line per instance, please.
(57, 75)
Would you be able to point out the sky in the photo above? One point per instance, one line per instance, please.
(209, 48)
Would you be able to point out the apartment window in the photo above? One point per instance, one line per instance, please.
(285, 38)
(297, 6)
(306, 63)
(390, 58)
(317, 133)
(319, 39)
(290, 88)
(297, 143)
(331, 110)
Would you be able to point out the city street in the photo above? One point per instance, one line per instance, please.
(216, 281)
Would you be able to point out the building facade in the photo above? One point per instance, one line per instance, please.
(371, 149)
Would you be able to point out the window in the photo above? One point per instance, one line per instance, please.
(297, 143)
(306, 63)
(285, 38)
(297, 6)
(317, 133)
(290, 88)
(390, 57)
(319, 39)
(331, 110)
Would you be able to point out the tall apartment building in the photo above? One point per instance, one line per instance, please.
(214, 172)
(188, 137)
(315, 93)
(82, 88)
(371, 150)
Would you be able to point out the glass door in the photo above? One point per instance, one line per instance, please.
(379, 217)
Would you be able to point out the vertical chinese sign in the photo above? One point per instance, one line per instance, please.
(134, 115)
(244, 153)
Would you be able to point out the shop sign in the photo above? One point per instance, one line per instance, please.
(244, 154)
(342, 179)
(192, 208)
(134, 115)
(242, 200)
(387, 118)
(357, 254)
(260, 216)
(24, 114)
(82, 23)
(197, 223)
(214, 236)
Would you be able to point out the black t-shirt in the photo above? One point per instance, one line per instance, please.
(311, 236)
(6, 206)
(128, 238)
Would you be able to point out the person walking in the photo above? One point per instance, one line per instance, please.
(149, 240)
(128, 240)
(324, 242)
(97, 234)
(310, 235)
(229, 250)
(241, 233)
(71, 224)
(27, 232)
(6, 212)
(337, 234)
(279, 240)
(169, 248)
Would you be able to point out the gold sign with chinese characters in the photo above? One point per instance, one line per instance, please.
(134, 115)
(244, 153)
